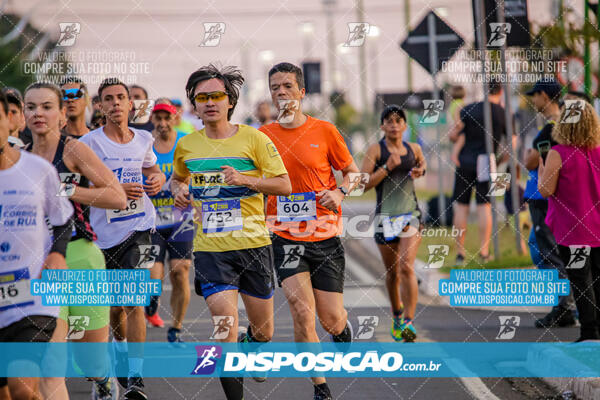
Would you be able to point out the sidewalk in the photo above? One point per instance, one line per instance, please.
(582, 388)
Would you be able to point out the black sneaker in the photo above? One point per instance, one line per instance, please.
(135, 389)
(122, 365)
(322, 392)
(557, 317)
(460, 260)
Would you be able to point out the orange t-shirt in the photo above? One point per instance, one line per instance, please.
(308, 152)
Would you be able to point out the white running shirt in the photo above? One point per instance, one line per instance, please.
(27, 195)
(126, 160)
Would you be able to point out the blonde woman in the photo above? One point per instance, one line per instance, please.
(570, 178)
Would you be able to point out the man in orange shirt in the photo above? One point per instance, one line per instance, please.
(309, 256)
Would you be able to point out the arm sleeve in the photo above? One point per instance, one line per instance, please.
(179, 166)
(337, 152)
(268, 160)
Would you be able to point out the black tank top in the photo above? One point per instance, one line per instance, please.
(396, 192)
(81, 214)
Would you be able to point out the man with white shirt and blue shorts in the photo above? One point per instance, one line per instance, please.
(124, 235)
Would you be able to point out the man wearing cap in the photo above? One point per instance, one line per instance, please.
(174, 229)
(545, 97)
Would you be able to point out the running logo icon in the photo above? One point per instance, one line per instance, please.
(141, 111)
(358, 181)
(431, 111)
(499, 32)
(68, 182)
(357, 35)
(366, 326)
(508, 327)
(207, 359)
(579, 256)
(222, 324)
(573, 111)
(437, 255)
(77, 326)
(212, 34)
(148, 253)
(68, 33)
(287, 110)
(292, 254)
(500, 183)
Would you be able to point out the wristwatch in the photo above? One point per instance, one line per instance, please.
(343, 190)
(385, 167)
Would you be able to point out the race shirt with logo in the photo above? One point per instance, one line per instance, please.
(167, 215)
(28, 193)
(308, 152)
(126, 160)
(228, 217)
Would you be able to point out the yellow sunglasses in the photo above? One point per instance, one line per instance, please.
(214, 96)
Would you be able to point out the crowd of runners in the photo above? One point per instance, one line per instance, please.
(251, 209)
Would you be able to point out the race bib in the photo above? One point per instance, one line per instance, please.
(393, 225)
(297, 207)
(15, 289)
(135, 209)
(221, 216)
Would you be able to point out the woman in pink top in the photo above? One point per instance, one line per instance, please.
(571, 182)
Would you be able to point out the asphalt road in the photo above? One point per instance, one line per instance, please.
(364, 296)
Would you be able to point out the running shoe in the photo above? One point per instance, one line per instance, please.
(155, 320)
(108, 390)
(396, 330)
(243, 338)
(558, 317)
(135, 389)
(460, 260)
(174, 336)
(409, 333)
(121, 365)
(322, 392)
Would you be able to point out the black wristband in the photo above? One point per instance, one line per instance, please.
(62, 236)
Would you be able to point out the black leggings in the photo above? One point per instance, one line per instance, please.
(585, 283)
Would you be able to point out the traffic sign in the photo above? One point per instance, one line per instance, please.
(432, 35)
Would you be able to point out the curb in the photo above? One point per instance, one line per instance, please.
(582, 388)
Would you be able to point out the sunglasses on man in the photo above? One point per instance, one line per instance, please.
(72, 94)
(214, 96)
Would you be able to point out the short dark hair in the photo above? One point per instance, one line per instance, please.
(392, 109)
(4, 102)
(96, 99)
(13, 96)
(139, 87)
(291, 68)
(111, 82)
(494, 86)
(50, 86)
(74, 79)
(231, 77)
